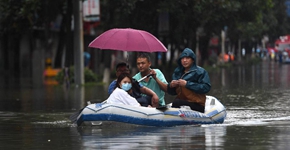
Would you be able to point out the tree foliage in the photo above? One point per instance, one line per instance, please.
(17, 16)
(246, 20)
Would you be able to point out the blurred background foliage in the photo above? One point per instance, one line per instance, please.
(248, 20)
(66, 75)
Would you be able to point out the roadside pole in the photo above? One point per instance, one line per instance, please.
(78, 43)
(240, 51)
(223, 35)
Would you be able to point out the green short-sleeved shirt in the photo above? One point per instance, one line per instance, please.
(153, 85)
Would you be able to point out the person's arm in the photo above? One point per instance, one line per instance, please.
(147, 91)
(162, 84)
(112, 87)
(202, 86)
(171, 87)
(154, 99)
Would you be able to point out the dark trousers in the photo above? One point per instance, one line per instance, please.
(144, 100)
(194, 106)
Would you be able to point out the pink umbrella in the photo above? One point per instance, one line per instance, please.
(128, 40)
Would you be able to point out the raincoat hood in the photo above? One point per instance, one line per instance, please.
(187, 53)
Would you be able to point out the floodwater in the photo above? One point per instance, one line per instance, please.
(257, 99)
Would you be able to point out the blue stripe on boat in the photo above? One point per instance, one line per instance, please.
(138, 121)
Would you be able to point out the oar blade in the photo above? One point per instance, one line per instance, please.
(73, 118)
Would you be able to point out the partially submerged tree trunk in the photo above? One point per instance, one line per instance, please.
(65, 43)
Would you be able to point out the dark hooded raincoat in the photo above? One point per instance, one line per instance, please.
(198, 82)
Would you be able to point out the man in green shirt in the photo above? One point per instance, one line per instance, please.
(156, 82)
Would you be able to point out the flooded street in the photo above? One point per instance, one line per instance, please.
(257, 99)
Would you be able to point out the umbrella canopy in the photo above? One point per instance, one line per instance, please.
(128, 40)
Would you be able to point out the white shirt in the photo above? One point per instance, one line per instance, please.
(120, 96)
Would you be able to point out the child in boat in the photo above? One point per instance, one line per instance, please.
(122, 91)
(189, 82)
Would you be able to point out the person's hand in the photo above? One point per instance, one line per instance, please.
(152, 71)
(174, 83)
(182, 82)
(155, 101)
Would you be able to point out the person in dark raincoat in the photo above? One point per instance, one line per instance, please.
(189, 82)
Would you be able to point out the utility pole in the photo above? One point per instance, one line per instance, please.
(78, 43)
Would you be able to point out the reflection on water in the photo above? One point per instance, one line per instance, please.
(243, 85)
(49, 98)
(256, 98)
(134, 137)
(267, 74)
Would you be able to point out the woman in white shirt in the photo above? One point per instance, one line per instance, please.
(121, 93)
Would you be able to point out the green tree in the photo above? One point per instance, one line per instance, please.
(26, 17)
(247, 20)
(17, 18)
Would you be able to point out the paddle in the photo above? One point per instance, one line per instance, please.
(148, 75)
(73, 117)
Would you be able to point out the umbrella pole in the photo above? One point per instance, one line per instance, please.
(127, 60)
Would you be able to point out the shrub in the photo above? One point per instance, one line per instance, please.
(67, 75)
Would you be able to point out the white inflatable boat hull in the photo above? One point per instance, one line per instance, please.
(215, 113)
